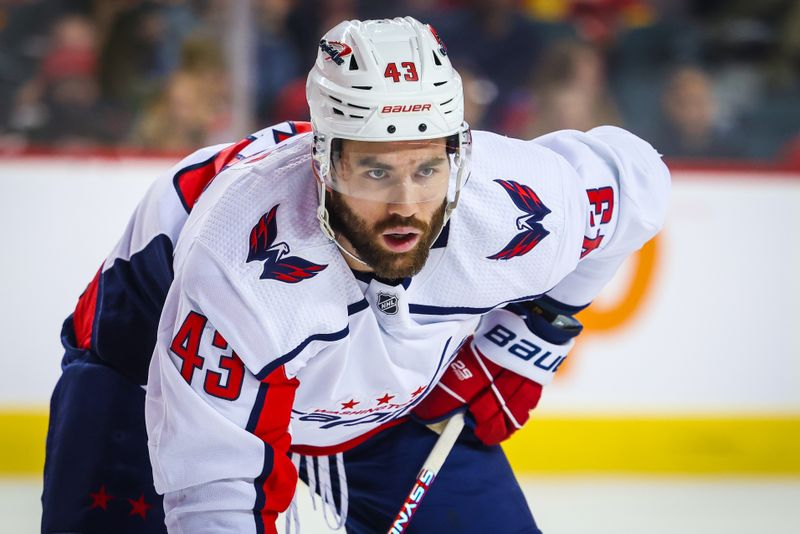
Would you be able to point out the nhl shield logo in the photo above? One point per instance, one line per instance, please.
(387, 303)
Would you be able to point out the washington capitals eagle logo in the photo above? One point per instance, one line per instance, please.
(532, 232)
(277, 264)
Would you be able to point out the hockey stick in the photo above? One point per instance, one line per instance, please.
(433, 463)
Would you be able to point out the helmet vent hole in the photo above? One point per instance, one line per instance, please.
(357, 106)
(338, 111)
(356, 116)
(363, 87)
(335, 99)
(353, 63)
(391, 129)
(446, 102)
(437, 60)
(437, 84)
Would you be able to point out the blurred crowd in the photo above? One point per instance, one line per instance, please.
(711, 79)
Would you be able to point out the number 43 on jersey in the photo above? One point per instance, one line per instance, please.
(186, 346)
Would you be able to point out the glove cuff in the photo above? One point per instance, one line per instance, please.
(504, 338)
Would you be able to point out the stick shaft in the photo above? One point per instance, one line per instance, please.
(430, 468)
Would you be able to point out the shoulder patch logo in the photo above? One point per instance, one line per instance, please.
(387, 303)
(278, 265)
(532, 232)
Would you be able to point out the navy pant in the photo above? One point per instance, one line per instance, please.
(97, 474)
(475, 492)
(98, 477)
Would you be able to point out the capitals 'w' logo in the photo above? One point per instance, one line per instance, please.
(277, 265)
(532, 232)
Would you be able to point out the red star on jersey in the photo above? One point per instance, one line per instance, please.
(101, 498)
(349, 405)
(385, 399)
(139, 507)
(418, 391)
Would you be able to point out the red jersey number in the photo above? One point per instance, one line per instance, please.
(602, 208)
(186, 346)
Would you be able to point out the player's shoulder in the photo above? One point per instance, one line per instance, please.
(503, 166)
(268, 195)
(492, 153)
(513, 177)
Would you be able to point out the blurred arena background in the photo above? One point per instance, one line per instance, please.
(680, 408)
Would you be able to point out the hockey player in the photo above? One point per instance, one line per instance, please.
(330, 283)
(390, 264)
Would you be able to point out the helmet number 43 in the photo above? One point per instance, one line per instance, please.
(394, 73)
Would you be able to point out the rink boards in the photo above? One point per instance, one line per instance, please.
(690, 362)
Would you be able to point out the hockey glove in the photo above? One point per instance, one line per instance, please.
(498, 374)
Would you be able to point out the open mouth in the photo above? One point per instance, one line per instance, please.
(401, 239)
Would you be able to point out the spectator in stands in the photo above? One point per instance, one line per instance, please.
(129, 67)
(82, 72)
(177, 119)
(277, 61)
(570, 91)
(479, 94)
(690, 126)
(193, 108)
(62, 105)
(498, 36)
(24, 26)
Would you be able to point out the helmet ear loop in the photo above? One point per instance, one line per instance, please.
(462, 147)
(320, 166)
(322, 210)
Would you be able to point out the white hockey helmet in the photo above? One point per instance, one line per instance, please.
(383, 81)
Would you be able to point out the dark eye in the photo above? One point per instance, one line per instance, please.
(377, 174)
(427, 172)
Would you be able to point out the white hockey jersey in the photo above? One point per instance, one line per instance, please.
(260, 293)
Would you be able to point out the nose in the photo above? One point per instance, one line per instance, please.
(404, 198)
(403, 209)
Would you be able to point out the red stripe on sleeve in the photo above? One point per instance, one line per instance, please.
(273, 428)
(83, 317)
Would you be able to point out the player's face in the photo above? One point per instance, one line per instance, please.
(397, 204)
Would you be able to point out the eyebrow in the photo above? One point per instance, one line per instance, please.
(433, 162)
(372, 161)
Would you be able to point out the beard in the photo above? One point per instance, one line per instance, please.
(366, 241)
